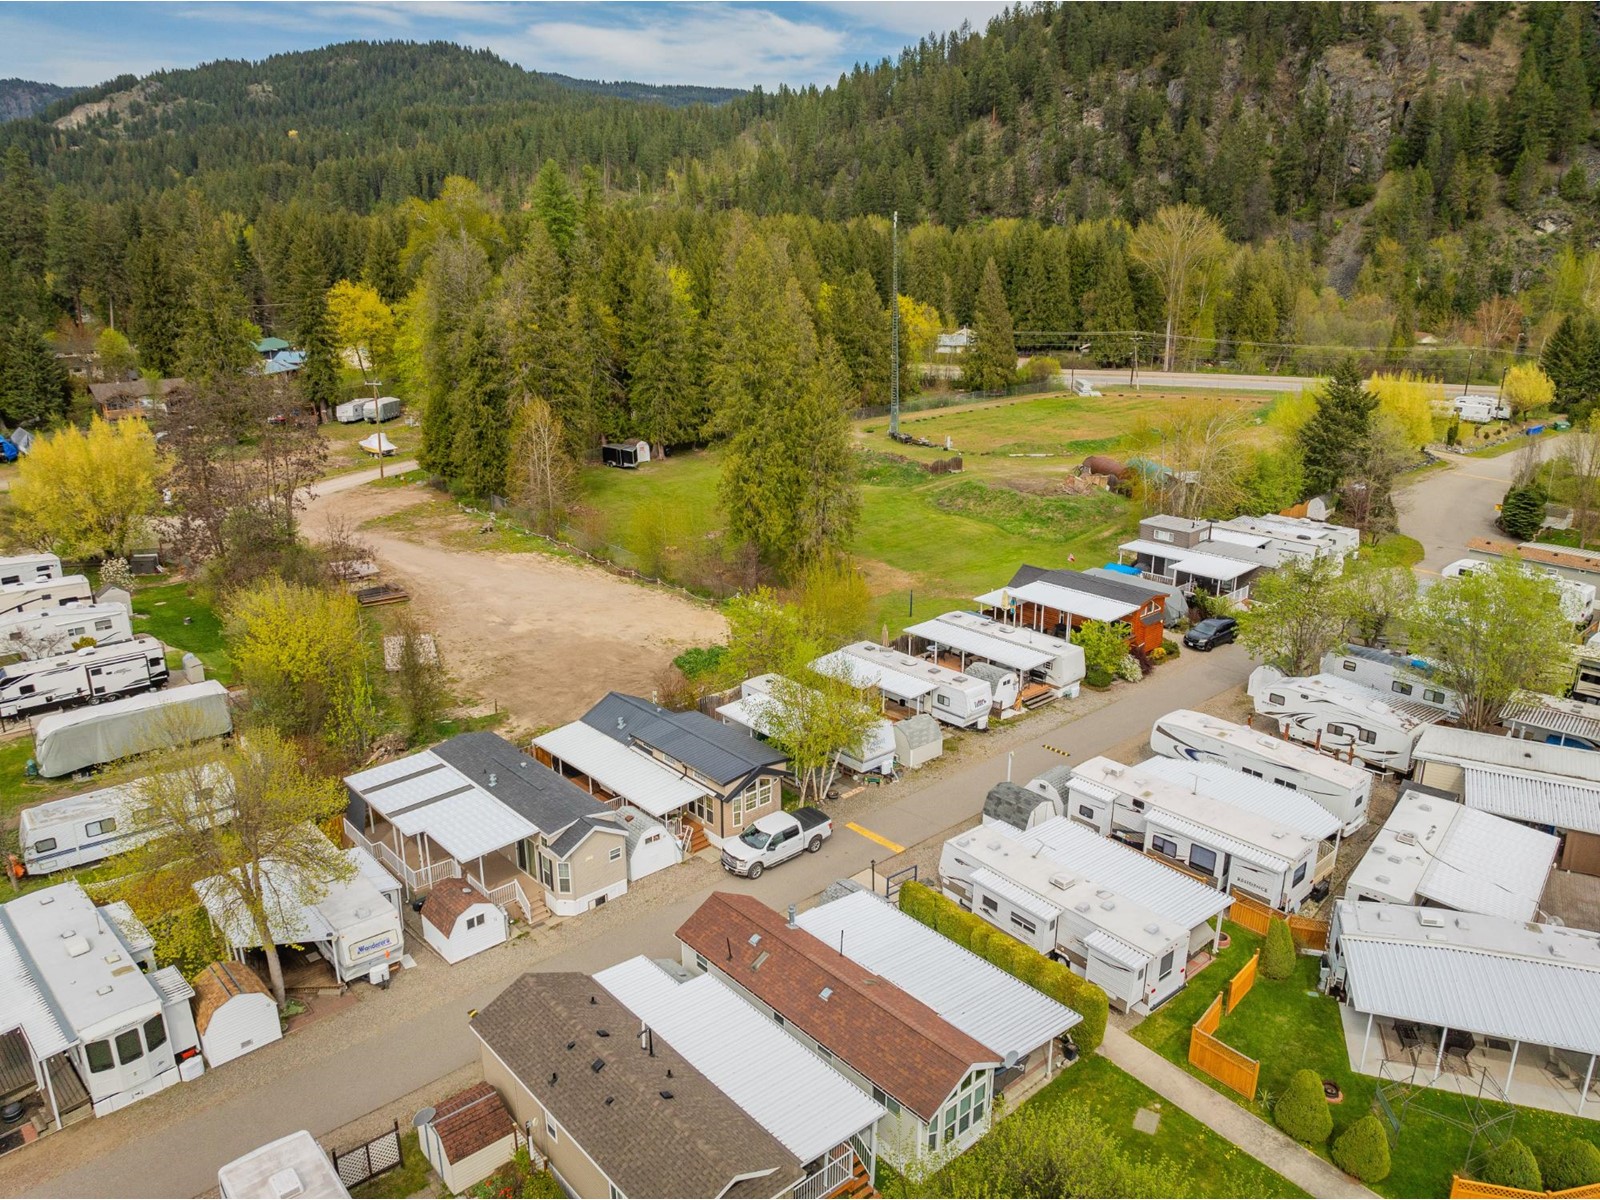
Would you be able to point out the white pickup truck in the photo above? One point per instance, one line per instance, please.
(775, 838)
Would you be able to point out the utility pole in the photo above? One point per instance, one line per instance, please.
(894, 327)
(1133, 368)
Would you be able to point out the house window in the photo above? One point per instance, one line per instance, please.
(475, 922)
(102, 626)
(1161, 535)
(616, 853)
(705, 807)
(699, 962)
(990, 904)
(1335, 729)
(826, 1054)
(616, 1192)
(550, 1129)
(1285, 783)
(1166, 964)
(1203, 859)
(1299, 874)
(96, 828)
(547, 873)
(1086, 812)
(99, 1055)
(564, 877)
(1022, 923)
(129, 1047)
(942, 699)
(1404, 689)
(155, 1033)
(1163, 845)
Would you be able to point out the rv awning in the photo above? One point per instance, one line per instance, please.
(1163, 550)
(1207, 836)
(1210, 566)
(1117, 950)
(1573, 718)
(23, 1004)
(621, 770)
(1536, 799)
(425, 795)
(1050, 595)
(1015, 894)
(841, 664)
(970, 641)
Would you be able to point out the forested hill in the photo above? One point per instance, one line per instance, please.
(676, 94)
(24, 97)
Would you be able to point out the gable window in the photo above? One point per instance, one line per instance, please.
(99, 1055)
(1299, 873)
(990, 904)
(1348, 665)
(155, 1033)
(1367, 736)
(1274, 698)
(616, 853)
(129, 1047)
(550, 1129)
(44, 845)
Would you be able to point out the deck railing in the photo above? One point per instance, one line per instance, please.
(507, 893)
(416, 879)
(841, 1164)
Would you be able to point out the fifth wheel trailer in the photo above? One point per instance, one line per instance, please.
(1341, 717)
(68, 742)
(1344, 789)
(33, 595)
(28, 568)
(85, 676)
(46, 632)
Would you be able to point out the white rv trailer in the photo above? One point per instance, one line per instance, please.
(47, 632)
(1480, 410)
(1004, 685)
(28, 568)
(35, 595)
(1343, 718)
(291, 1166)
(1344, 789)
(751, 711)
(85, 676)
(1391, 674)
(74, 831)
(954, 698)
(70, 741)
(350, 412)
(1064, 670)
(384, 408)
(1577, 598)
(1008, 665)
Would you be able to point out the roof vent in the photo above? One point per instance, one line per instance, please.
(621, 724)
(1425, 807)
(47, 900)
(1383, 879)
(609, 1099)
(602, 1033)
(666, 1095)
(113, 958)
(493, 779)
(1108, 905)
(1406, 837)
(1152, 928)
(825, 993)
(1061, 881)
(1082, 906)
(285, 1183)
(598, 1065)
(572, 1045)
(76, 946)
(760, 958)
(103, 991)
(1463, 923)
(1430, 920)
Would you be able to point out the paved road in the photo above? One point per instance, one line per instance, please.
(1445, 507)
(394, 1043)
(1157, 380)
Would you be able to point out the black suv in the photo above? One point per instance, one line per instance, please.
(1211, 633)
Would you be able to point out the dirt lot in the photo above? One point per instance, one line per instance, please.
(541, 637)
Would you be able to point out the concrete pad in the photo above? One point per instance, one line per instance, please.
(1146, 1120)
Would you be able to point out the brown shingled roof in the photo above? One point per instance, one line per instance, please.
(470, 1121)
(650, 1121)
(447, 902)
(896, 1041)
(221, 982)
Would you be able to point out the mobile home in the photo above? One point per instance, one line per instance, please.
(1391, 674)
(1344, 789)
(1333, 715)
(84, 676)
(28, 568)
(74, 831)
(1063, 671)
(919, 686)
(47, 632)
(68, 742)
(36, 594)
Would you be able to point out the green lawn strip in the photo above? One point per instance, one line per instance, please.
(161, 611)
(1509, 447)
(1287, 1025)
(409, 1178)
(1395, 550)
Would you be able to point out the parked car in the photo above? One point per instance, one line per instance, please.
(775, 838)
(1211, 633)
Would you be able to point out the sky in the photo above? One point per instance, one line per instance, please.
(728, 45)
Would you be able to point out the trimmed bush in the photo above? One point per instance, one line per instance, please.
(1363, 1150)
(1096, 678)
(1302, 1111)
(1573, 1163)
(1277, 956)
(1054, 979)
(1511, 1164)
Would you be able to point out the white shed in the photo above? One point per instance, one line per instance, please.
(459, 921)
(234, 1012)
(917, 740)
(651, 846)
(467, 1137)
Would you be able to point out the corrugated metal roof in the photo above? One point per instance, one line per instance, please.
(621, 770)
(23, 1001)
(169, 981)
(978, 998)
(1115, 949)
(848, 667)
(1050, 595)
(970, 641)
(423, 794)
(1171, 894)
(1211, 566)
(1552, 715)
(1248, 792)
(1489, 865)
(787, 1089)
(1468, 747)
(1016, 895)
(1537, 799)
(1207, 836)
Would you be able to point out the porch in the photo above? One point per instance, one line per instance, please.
(841, 1173)
(421, 864)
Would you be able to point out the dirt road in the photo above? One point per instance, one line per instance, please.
(540, 636)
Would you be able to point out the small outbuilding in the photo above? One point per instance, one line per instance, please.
(467, 1137)
(651, 846)
(459, 921)
(918, 740)
(625, 454)
(234, 1012)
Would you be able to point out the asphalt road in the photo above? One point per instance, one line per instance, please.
(1157, 380)
(1444, 508)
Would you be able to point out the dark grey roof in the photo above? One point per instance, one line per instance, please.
(719, 752)
(1176, 605)
(1012, 803)
(578, 830)
(838, 890)
(1094, 585)
(1059, 777)
(650, 1121)
(524, 785)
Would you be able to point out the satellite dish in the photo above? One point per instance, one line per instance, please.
(424, 1117)
(1011, 1059)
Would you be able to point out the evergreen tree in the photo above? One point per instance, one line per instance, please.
(157, 294)
(1108, 310)
(482, 423)
(23, 219)
(381, 267)
(555, 205)
(453, 285)
(1302, 1110)
(1571, 357)
(857, 321)
(1338, 436)
(34, 388)
(1522, 512)
(991, 362)
(218, 338)
(661, 336)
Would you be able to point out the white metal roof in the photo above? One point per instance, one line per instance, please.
(291, 917)
(841, 665)
(1277, 750)
(1115, 949)
(1248, 792)
(423, 794)
(1539, 799)
(1208, 835)
(1466, 747)
(978, 998)
(23, 1001)
(1017, 895)
(1081, 851)
(255, 1173)
(1068, 600)
(1496, 978)
(1534, 710)
(786, 1089)
(1162, 550)
(971, 641)
(621, 770)
(1021, 634)
(1212, 566)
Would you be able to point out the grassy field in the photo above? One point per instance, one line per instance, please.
(1287, 1025)
(346, 455)
(171, 612)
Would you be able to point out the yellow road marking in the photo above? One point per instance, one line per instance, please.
(1057, 749)
(894, 847)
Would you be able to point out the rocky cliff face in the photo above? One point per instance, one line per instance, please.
(24, 97)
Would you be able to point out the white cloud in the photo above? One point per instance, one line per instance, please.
(909, 20)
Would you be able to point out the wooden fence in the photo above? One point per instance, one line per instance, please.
(1218, 1059)
(1239, 986)
(1256, 916)
(1462, 1188)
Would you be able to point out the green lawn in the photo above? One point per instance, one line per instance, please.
(1288, 1025)
(171, 612)
(410, 1177)
(1395, 550)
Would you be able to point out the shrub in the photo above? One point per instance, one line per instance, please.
(1572, 1163)
(115, 572)
(1302, 1111)
(1096, 678)
(1054, 979)
(1128, 668)
(1511, 1164)
(1522, 513)
(1277, 956)
(1363, 1150)
(1172, 646)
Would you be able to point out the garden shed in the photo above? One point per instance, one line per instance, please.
(234, 1012)
(917, 740)
(459, 921)
(467, 1137)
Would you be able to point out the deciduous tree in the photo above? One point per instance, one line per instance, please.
(1293, 618)
(1179, 246)
(362, 322)
(1527, 387)
(542, 475)
(88, 493)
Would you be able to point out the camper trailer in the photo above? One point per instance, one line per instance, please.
(350, 412)
(1577, 599)
(68, 742)
(625, 454)
(1343, 718)
(84, 676)
(55, 631)
(1062, 672)
(74, 831)
(1390, 674)
(1480, 410)
(384, 408)
(954, 698)
(751, 712)
(1344, 789)
(28, 568)
(39, 594)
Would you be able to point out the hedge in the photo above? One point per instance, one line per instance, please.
(1511, 1164)
(1054, 979)
(1572, 1163)
(1363, 1150)
(1302, 1111)
(1277, 956)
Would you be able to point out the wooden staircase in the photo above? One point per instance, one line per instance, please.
(698, 840)
(857, 1187)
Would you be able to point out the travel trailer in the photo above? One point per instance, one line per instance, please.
(84, 676)
(68, 742)
(1577, 599)
(350, 412)
(1343, 718)
(1390, 674)
(1480, 410)
(384, 408)
(28, 568)
(1062, 672)
(951, 696)
(47, 632)
(752, 711)
(34, 595)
